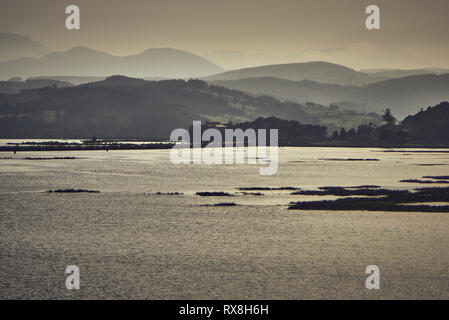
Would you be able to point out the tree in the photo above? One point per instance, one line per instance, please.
(343, 134)
(335, 136)
(388, 117)
(351, 135)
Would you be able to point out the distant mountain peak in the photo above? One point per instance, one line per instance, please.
(14, 46)
(119, 81)
(80, 50)
(166, 49)
(13, 36)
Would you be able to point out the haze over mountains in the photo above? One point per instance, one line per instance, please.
(403, 95)
(234, 59)
(17, 85)
(13, 46)
(398, 73)
(82, 61)
(125, 107)
(319, 71)
(121, 107)
(321, 83)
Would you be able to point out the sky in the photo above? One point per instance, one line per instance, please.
(414, 33)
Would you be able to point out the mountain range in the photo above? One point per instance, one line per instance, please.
(398, 73)
(308, 83)
(403, 95)
(82, 61)
(13, 46)
(122, 107)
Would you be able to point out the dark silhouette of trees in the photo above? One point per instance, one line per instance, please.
(389, 118)
(343, 134)
(430, 126)
(290, 132)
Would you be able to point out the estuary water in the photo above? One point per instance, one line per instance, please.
(131, 243)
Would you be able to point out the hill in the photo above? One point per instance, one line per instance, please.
(233, 59)
(17, 86)
(75, 80)
(429, 126)
(291, 132)
(82, 61)
(403, 95)
(123, 107)
(13, 46)
(322, 72)
(397, 73)
(299, 91)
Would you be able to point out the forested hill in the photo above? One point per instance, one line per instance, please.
(403, 95)
(429, 126)
(128, 108)
(17, 86)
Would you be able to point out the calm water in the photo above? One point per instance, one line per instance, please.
(131, 244)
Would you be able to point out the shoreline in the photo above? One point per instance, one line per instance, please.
(27, 148)
(162, 146)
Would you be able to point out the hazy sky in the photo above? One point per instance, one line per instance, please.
(414, 32)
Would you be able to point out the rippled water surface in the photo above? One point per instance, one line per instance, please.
(131, 243)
